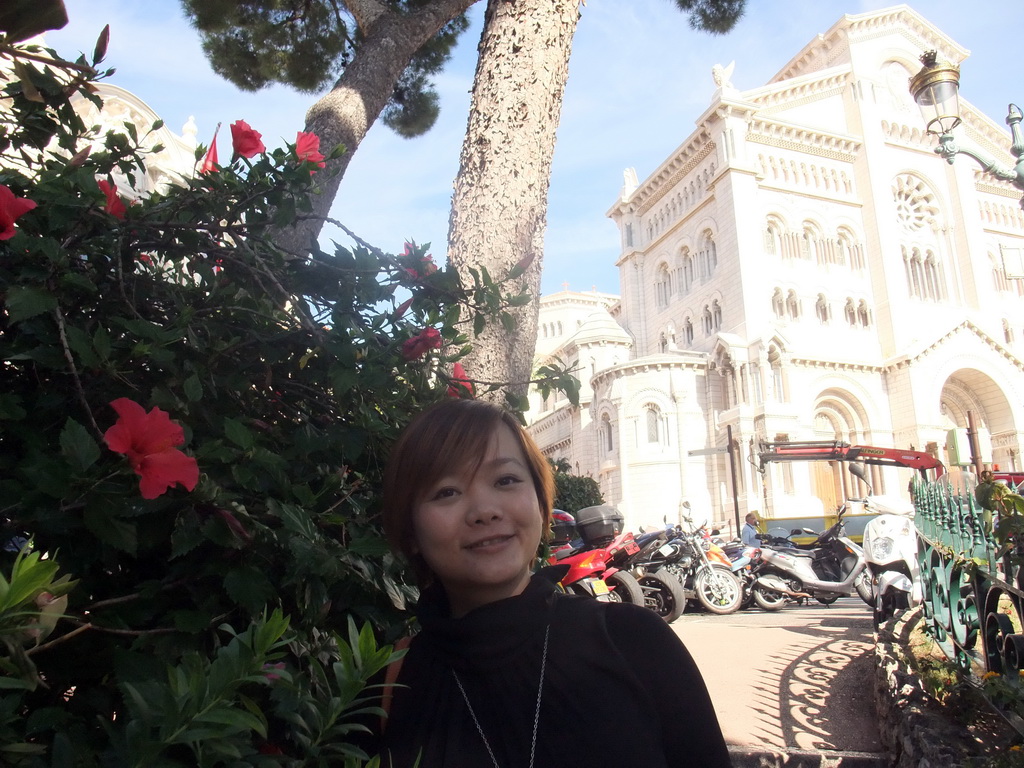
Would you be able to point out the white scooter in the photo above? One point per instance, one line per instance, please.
(890, 548)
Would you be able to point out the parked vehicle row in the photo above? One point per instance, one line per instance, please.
(681, 566)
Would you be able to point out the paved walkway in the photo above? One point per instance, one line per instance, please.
(796, 680)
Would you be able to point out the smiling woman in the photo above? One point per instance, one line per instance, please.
(507, 670)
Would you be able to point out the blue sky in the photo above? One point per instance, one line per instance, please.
(638, 78)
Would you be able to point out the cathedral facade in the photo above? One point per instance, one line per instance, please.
(802, 267)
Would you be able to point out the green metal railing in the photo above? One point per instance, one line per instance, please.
(973, 600)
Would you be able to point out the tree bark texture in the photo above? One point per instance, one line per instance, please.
(499, 207)
(345, 114)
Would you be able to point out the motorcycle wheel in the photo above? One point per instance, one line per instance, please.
(768, 599)
(863, 585)
(826, 600)
(663, 594)
(627, 588)
(718, 590)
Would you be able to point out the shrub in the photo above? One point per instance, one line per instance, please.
(185, 584)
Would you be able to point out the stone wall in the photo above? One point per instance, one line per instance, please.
(911, 724)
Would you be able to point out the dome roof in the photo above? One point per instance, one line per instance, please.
(601, 326)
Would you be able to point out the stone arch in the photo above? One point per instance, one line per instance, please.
(969, 389)
(839, 411)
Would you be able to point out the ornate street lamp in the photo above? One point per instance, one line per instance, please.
(935, 90)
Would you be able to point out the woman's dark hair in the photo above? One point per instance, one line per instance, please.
(452, 433)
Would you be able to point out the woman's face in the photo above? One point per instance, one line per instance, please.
(479, 531)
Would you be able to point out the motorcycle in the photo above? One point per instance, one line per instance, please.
(596, 560)
(890, 547)
(832, 566)
(663, 592)
(685, 556)
(748, 564)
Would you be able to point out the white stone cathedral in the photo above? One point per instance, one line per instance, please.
(802, 267)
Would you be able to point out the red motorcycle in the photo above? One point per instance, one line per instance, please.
(597, 560)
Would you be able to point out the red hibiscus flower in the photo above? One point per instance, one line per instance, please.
(427, 265)
(115, 206)
(307, 147)
(149, 440)
(459, 382)
(11, 207)
(245, 140)
(421, 343)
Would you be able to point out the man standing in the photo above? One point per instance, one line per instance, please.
(749, 534)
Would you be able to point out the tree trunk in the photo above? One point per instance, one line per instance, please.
(345, 114)
(499, 208)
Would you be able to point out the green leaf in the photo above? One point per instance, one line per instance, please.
(118, 533)
(369, 546)
(77, 446)
(193, 389)
(187, 534)
(249, 587)
(10, 407)
(237, 719)
(238, 433)
(101, 343)
(24, 302)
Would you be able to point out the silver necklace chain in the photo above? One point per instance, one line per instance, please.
(536, 711)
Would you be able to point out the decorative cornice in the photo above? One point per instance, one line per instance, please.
(807, 91)
(691, 361)
(802, 139)
(836, 365)
(906, 361)
(983, 182)
(674, 171)
(908, 136)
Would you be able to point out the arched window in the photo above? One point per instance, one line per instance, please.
(935, 288)
(810, 245)
(716, 315)
(707, 257)
(793, 305)
(778, 303)
(653, 424)
(850, 311)
(663, 286)
(773, 237)
(687, 270)
(775, 361)
(688, 331)
(1007, 331)
(863, 314)
(822, 310)
(999, 281)
(662, 343)
(706, 317)
(607, 441)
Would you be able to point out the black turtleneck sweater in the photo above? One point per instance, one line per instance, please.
(620, 689)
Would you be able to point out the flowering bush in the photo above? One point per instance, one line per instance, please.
(192, 427)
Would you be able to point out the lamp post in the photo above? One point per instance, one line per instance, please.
(935, 90)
